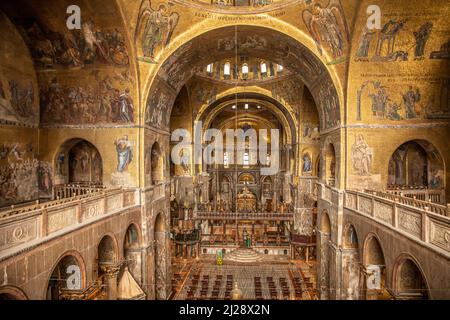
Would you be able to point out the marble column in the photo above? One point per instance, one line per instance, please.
(110, 273)
(287, 153)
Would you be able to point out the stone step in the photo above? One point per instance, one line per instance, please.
(244, 255)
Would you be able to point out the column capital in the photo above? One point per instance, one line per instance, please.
(110, 270)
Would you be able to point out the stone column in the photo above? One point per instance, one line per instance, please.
(204, 178)
(288, 157)
(110, 273)
(224, 240)
(287, 187)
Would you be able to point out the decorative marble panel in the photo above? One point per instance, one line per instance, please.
(128, 198)
(18, 233)
(365, 205)
(114, 202)
(60, 219)
(383, 212)
(92, 209)
(440, 235)
(410, 222)
(350, 201)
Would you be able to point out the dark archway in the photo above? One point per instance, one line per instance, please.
(350, 263)
(409, 281)
(375, 268)
(68, 274)
(106, 253)
(132, 251)
(323, 247)
(415, 168)
(85, 164)
(78, 162)
(12, 293)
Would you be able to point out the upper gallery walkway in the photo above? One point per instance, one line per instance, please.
(423, 222)
(26, 226)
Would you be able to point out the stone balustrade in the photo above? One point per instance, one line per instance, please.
(72, 190)
(424, 194)
(308, 185)
(422, 221)
(31, 225)
(413, 202)
(273, 216)
(429, 225)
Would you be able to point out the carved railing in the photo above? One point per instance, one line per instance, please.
(421, 221)
(424, 194)
(413, 202)
(95, 291)
(329, 193)
(71, 190)
(243, 216)
(29, 225)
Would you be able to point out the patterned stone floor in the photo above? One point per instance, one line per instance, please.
(206, 280)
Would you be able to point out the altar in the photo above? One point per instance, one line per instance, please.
(246, 201)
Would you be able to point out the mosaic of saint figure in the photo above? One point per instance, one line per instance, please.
(411, 98)
(185, 160)
(327, 25)
(436, 179)
(45, 178)
(329, 104)
(307, 165)
(22, 99)
(126, 106)
(379, 100)
(362, 156)
(364, 44)
(124, 153)
(422, 36)
(158, 27)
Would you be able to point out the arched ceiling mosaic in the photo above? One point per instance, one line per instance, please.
(224, 43)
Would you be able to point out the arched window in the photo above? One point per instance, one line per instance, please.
(330, 161)
(246, 159)
(245, 70)
(263, 69)
(225, 159)
(226, 69)
(210, 68)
